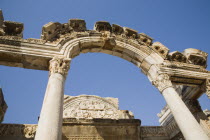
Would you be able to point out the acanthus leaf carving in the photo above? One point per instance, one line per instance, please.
(59, 65)
(162, 82)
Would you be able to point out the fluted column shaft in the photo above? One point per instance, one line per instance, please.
(182, 115)
(50, 122)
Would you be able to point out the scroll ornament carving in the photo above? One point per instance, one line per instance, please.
(162, 82)
(59, 65)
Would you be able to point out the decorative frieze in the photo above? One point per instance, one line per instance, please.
(90, 107)
(153, 131)
(59, 65)
(184, 66)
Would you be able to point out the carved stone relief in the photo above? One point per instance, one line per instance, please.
(90, 107)
(59, 65)
(162, 82)
(153, 131)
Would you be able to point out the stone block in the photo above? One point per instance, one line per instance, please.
(177, 56)
(13, 28)
(196, 57)
(145, 39)
(102, 26)
(160, 49)
(130, 33)
(117, 29)
(78, 25)
(51, 31)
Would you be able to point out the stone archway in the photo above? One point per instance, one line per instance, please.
(62, 42)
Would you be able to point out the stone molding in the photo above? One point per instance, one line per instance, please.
(59, 65)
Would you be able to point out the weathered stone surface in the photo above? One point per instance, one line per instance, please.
(10, 28)
(13, 28)
(145, 39)
(102, 26)
(177, 56)
(51, 31)
(160, 49)
(196, 57)
(78, 25)
(117, 29)
(130, 33)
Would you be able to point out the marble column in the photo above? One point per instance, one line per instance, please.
(50, 121)
(183, 117)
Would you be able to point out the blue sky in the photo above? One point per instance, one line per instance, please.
(177, 24)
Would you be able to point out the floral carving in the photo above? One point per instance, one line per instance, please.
(29, 131)
(59, 65)
(162, 82)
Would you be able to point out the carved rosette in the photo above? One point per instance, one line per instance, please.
(59, 65)
(162, 82)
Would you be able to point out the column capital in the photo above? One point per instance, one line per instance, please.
(59, 65)
(162, 82)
